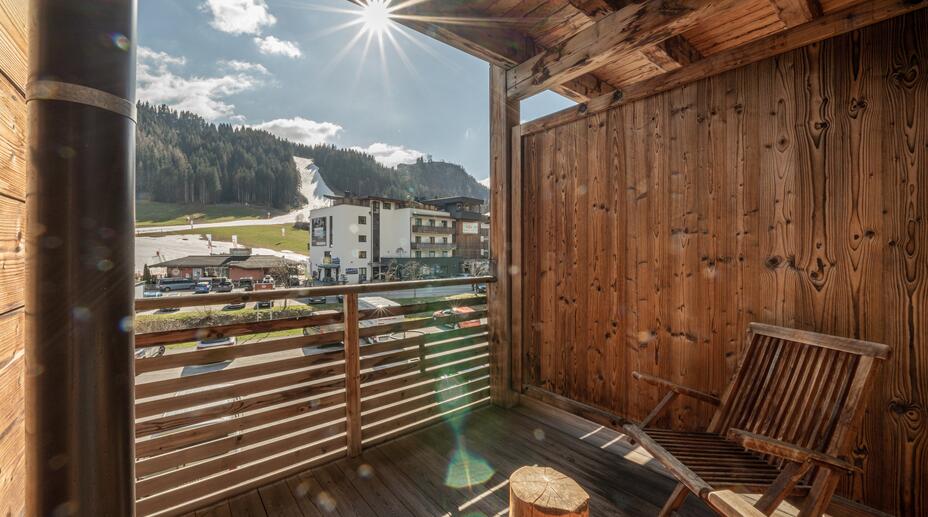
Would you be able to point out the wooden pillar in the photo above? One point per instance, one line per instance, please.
(504, 116)
(80, 261)
(352, 374)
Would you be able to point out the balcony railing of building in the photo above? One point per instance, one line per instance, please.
(468, 215)
(423, 228)
(295, 390)
(433, 246)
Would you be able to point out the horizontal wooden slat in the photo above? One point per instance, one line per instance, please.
(12, 328)
(144, 304)
(13, 43)
(238, 480)
(167, 337)
(190, 437)
(385, 388)
(325, 379)
(12, 253)
(423, 400)
(369, 350)
(12, 142)
(164, 482)
(236, 373)
(427, 415)
(332, 416)
(199, 416)
(217, 355)
(422, 351)
(424, 384)
(474, 356)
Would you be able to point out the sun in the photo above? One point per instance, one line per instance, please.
(376, 16)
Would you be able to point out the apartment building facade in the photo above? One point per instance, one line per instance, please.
(359, 239)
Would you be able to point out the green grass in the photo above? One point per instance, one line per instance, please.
(262, 236)
(153, 213)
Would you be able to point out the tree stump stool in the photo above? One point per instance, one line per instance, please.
(544, 492)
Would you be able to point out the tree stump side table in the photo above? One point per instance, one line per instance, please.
(545, 492)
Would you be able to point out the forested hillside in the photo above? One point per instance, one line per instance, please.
(181, 158)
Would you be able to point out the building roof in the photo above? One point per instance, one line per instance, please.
(244, 262)
(456, 199)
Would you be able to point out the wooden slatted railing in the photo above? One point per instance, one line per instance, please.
(214, 422)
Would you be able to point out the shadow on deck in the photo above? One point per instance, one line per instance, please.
(461, 466)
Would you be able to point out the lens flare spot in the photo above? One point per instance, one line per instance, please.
(539, 434)
(325, 502)
(365, 471)
(467, 470)
(120, 41)
(126, 324)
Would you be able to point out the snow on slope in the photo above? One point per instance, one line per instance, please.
(485, 182)
(312, 186)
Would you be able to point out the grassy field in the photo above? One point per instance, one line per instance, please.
(263, 236)
(153, 213)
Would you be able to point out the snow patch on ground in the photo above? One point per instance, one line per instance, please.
(485, 182)
(152, 250)
(312, 186)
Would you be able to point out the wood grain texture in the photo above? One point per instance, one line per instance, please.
(12, 254)
(789, 191)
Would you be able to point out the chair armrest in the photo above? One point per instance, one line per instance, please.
(678, 388)
(766, 445)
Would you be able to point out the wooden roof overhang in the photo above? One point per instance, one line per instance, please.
(603, 52)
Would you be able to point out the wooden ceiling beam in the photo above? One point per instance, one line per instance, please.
(827, 26)
(673, 53)
(487, 39)
(597, 9)
(625, 31)
(797, 12)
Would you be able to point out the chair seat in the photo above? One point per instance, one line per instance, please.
(719, 462)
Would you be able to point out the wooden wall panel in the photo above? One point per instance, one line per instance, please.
(791, 191)
(12, 253)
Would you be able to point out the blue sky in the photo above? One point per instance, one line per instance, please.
(288, 67)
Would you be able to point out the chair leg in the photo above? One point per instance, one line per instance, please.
(781, 487)
(676, 500)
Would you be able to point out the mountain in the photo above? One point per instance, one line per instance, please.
(182, 158)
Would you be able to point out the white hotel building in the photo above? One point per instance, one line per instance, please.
(350, 240)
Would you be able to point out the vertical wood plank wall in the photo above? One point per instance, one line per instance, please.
(13, 67)
(791, 191)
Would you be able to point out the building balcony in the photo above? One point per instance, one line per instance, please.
(435, 230)
(442, 246)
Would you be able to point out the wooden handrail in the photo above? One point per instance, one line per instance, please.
(145, 304)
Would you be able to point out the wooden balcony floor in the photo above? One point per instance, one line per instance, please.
(461, 467)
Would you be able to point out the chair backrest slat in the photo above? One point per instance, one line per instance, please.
(798, 386)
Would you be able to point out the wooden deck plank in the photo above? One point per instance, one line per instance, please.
(279, 501)
(247, 505)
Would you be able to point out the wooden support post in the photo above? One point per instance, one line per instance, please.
(504, 116)
(352, 374)
(80, 380)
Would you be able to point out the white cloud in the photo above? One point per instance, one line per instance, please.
(272, 45)
(391, 155)
(244, 66)
(205, 96)
(301, 130)
(239, 16)
(485, 182)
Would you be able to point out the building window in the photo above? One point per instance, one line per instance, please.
(362, 238)
(432, 240)
(444, 240)
(444, 224)
(362, 219)
(418, 238)
(362, 254)
(387, 206)
(418, 221)
(431, 253)
(444, 254)
(431, 222)
(418, 254)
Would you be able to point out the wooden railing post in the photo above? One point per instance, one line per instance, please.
(352, 374)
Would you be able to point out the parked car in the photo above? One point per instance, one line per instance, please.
(481, 289)
(316, 299)
(247, 283)
(234, 307)
(149, 351)
(167, 310)
(224, 287)
(264, 305)
(219, 342)
(455, 311)
(151, 294)
(167, 285)
(203, 287)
